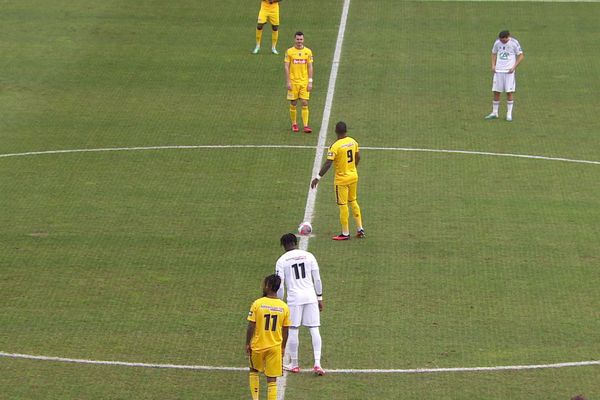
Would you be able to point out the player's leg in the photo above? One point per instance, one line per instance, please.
(254, 384)
(273, 369)
(271, 388)
(341, 196)
(274, 38)
(511, 86)
(312, 320)
(256, 365)
(262, 20)
(293, 341)
(293, 97)
(259, 31)
(274, 31)
(353, 203)
(496, 89)
(304, 96)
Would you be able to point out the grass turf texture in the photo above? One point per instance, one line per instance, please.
(155, 256)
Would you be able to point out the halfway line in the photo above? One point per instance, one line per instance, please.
(332, 371)
(319, 148)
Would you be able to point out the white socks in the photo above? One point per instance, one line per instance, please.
(495, 106)
(316, 343)
(509, 107)
(292, 346)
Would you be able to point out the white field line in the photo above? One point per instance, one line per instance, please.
(309, 209)
(280, 146)
(330, 371)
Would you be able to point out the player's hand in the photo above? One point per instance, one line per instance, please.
(289, 86)
(314, 183)
(248, 350)
(309, 87)
(320, 305)
(493, 70)
(510, 71)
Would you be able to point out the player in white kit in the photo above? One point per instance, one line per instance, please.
(299, 273)
(506, 56)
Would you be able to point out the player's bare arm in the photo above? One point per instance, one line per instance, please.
(520, 58)
(357, 158)
(249, 335)
(284, 336)
(322, 172)
(310, 77)
(494, 62)
(288, 83)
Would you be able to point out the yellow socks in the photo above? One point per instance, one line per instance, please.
(254, 385)
(356, 213)
(272, 391)
(305, 115)
(258, 37)
(293, 114)
(274, 37)
(344, 214)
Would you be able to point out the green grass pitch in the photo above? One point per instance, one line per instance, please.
(155, 255)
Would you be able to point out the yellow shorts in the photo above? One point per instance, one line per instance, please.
(271, 16)
(345, 193)
(269, 361)
(299, 91)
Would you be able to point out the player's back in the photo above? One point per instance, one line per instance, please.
(270, 315)
(296, 268)
(343, 153)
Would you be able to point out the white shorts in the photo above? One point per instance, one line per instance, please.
(305, 314)
(504, 82)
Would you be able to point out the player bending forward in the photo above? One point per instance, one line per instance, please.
(299, 272)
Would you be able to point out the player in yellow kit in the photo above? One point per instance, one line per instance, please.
(266, 337)
(269, 12)
(298, 66)
(344, 154)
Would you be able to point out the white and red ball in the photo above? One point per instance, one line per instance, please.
(305, 229)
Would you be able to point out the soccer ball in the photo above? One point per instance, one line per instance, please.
(305, 228)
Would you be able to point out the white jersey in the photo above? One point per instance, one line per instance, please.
(506, 54)
(297, 268)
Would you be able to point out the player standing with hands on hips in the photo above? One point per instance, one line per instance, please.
(345, 155)
(506, 57)
(299, 272)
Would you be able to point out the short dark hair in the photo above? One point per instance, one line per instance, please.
(289, 239)
(273, 282)
(341, 127)
(504, 34)
(299, 34)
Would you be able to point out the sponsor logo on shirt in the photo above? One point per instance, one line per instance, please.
(272, 308)
(296, 61)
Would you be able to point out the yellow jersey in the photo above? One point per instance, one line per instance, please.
(343, 154)
(270, 316)
(265, 5)
(299, 60)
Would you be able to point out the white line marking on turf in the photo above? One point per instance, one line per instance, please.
(284, 146)
(332, 371)
(309, 209)
(312, 194)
